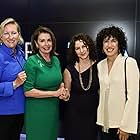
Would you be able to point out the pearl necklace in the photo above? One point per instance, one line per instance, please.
(90, 79)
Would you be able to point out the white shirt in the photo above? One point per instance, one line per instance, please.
(121, 113)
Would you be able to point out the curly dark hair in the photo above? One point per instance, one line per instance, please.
(87, 40)
(114, 32)
(35, 35)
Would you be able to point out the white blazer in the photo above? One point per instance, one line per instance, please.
(122, 114)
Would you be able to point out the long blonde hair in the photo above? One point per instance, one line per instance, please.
(11, 21)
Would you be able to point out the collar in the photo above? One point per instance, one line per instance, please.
(117, 58)
(8, 50)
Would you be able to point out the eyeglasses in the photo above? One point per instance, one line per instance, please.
(8, 34)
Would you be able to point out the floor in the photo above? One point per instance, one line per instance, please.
(23, 137)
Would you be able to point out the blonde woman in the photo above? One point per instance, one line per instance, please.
(12, 78)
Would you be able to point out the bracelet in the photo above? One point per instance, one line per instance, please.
(14, 85)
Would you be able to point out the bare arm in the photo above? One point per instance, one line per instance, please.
(35, 93)
(67, 79)
(67, 85)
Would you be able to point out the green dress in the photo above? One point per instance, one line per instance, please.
(42, 114)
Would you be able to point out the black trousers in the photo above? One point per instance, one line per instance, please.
(111, 135)
(11, 126)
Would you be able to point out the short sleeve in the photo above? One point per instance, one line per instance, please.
(30, 70)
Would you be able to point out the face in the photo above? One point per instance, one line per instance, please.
(81, 49)
(44, 43)
(110, 47)
(10, 36)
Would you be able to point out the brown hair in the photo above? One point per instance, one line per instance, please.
(35, 35)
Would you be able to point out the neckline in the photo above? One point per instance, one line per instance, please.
(116, 62)
(48, 64)
(84, 70)
(8, 50)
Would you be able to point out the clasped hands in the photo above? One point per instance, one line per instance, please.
(64, 93)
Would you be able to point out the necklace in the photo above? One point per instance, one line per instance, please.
(90, 79)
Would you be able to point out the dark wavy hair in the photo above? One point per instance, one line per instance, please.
(114, 32)
(35, 35)
(87, 40)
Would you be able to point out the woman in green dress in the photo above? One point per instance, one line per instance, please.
(43, 87)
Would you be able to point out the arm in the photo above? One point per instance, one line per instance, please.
(30, 83)
(8, 86)
(130, 117)
(21, 77)
(67, 80)
(35, 93)
(6, 89)
(67, 85)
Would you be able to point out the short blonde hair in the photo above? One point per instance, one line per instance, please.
(11, 21)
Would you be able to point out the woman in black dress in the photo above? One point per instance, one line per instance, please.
(81, 82)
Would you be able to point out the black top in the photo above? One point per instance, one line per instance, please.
(81, 109)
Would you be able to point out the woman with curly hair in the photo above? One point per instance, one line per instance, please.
(81, 81)
(117, 111)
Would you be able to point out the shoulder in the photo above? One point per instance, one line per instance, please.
(2, 60)
(2, 53)
(70, 68)
(94, 66)
(2, 56)
(101, 63)
(132, 66)
(20, 51)
(54, 58)
(131, 60)
(32, 60)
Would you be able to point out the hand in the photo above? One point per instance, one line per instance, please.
(21, 77)
(122, 135)
(65, 95)
(58, 92)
